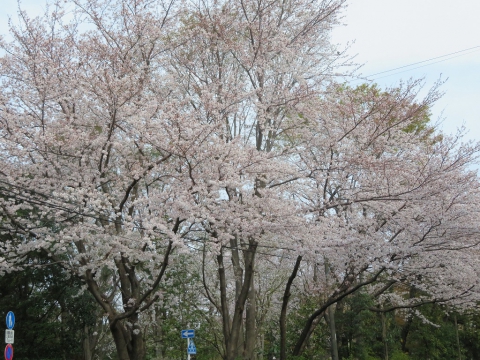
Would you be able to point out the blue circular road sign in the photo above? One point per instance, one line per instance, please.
(10, 320)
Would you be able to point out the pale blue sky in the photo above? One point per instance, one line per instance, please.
(391, 33)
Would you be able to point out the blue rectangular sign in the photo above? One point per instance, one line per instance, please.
(188, 334)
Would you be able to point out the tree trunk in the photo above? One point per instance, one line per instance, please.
(238, 273)
(333, 333)
(87, 352)
(404, 334)
(384, 336)
(223, 302)
(129, 341)
(161, 315)
(283, 312)
(130, 344)
(120, 340)
(457, 337)
(250, 323)
(232, 346)
(262, 345)
(138, 343)
(331, 320)
(313, 318)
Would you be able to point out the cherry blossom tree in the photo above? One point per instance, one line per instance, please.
(140, 125)
(136, 131)
(393, 202)
(87, 158)
(250, 69)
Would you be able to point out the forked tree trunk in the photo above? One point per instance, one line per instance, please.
(128, 340)
(130, 345)
(120, 341)
(233, 331)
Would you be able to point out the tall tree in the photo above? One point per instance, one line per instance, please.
(140, 127)
(250, 69)
(388, 197)
(86, 154)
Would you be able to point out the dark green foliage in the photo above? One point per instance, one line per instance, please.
(184, 307)
(318, 344)
(51, 318)
(358, 330)
(469, 333)
(50, 312)
(430, 332)
(435, 340)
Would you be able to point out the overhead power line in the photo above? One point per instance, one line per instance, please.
(408, 67)
(418, 67)
(61, 204)
(461, 52)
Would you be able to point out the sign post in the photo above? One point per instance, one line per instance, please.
(189, 334)
(9, 335)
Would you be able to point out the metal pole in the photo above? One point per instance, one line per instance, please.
(188, 345)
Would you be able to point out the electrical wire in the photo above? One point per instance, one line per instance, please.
(78, 213)
(374, 76)
(418, 67)
(423, 61)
